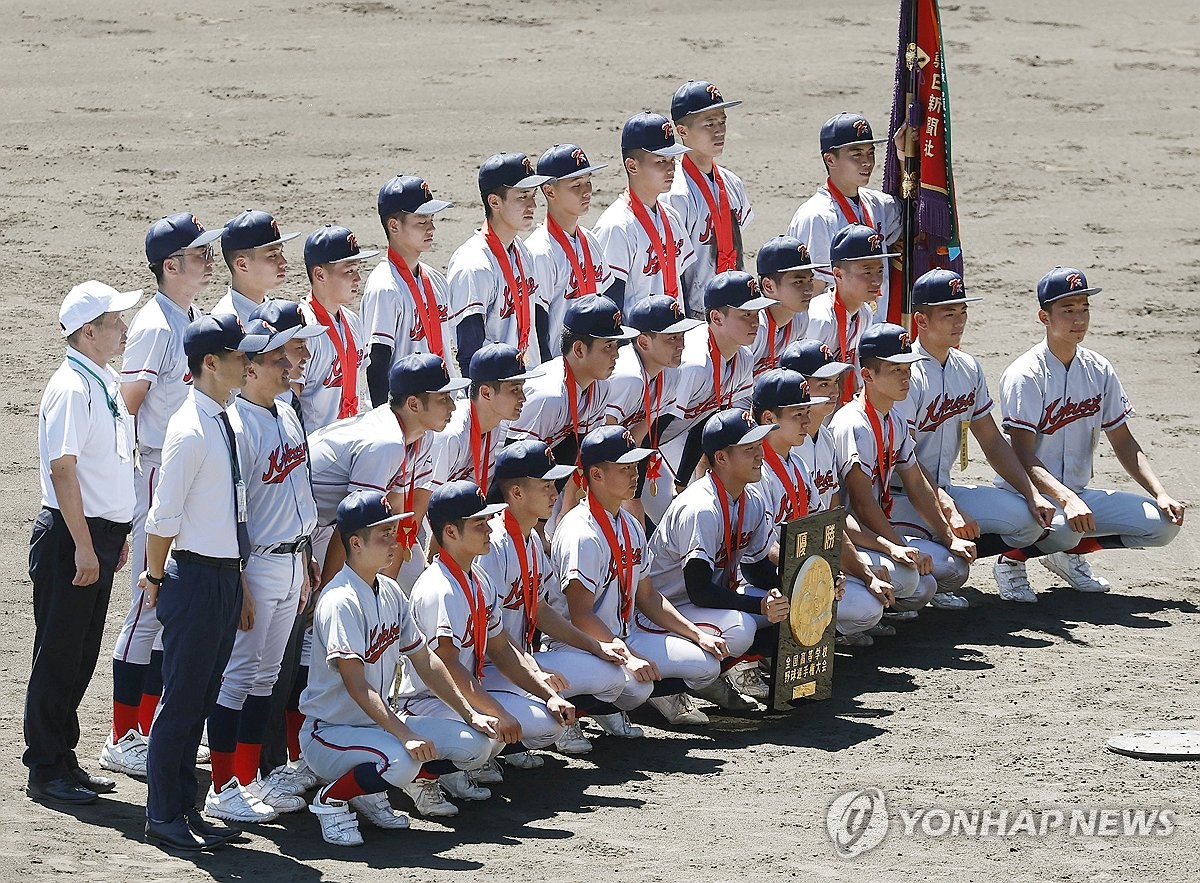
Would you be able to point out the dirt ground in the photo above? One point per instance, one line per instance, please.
(1075, 134)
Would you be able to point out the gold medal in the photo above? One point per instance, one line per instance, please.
(654, 488)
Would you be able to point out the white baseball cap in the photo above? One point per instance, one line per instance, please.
(90, 300)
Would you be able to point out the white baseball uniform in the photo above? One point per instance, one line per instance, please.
(630, 255)
(390, 316)
(234, 303)
(772, 339)
(555, 270)
(454, 448)
(629, 390)
(321, 383)
(546, 415)
(823, 326)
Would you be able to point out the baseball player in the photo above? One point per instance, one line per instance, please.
(253, 250)
(848, 151)
(645, 244)
(600, 555)
(711, 200)
(155, 381)
(283, 315)
(570, 259)
(495, 294)
(785, 274)
(405, 302)
(362, 626)
(873, 442)
(458, 610)
(1056, 399)
(331, 388)
(839, 317)
(949, 394)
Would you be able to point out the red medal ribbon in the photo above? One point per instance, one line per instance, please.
(842, 316)
(772, 333)
(347, 355)
(718, 210)
(585, 274)
(883, 455)
(846, 208)
(531, 576)
(476, 603)
(516, 285)
(407, 536)
(793, 485)
(732, 536)
(481, 452)
(622, 555)
(573, 410)
(718, 366)
(428, 313)
(665, 252)
(654, 467)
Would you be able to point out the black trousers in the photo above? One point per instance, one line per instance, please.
(68, 626)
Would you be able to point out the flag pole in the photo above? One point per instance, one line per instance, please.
(910, 181)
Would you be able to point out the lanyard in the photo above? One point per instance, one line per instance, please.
(622, 555)
(663, 247)
(653, 407)
(476, 603)
(841, 316)
(531, 575)
(584, 274)
(718, 368)
(732, 535)
(793, 485)
(718, 210)
(516, 285)
(883, 454)
(347, 356)
(113, 408)
(481, 451)
(428, 313)
(846, 208)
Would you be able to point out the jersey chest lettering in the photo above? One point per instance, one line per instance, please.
(824, 482)
(508, 304)
(418, 328)
(573, 288)
(743, 540)
(282, 461)
(1058, 416)
(710, 230)
(943, 408)
(379, 639)
(611, 574)
(653, 265)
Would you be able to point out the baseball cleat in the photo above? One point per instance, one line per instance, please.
(618, 725)
(881, 630)
(572, 741)
(1013, 581)
(462, 785)
(488, 774)
(722, 694)
(858, 639)
(234, 804)
(522, 760)
(746, 678)
(275, 798)
(949, 601)
(127, 756)
(377, 809)
(678, 709)
(901, 615)
(339, 824)
(1075, 570)
(429, 799)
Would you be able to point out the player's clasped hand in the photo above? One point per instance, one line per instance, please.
(1079, 516)
(554, 681)
(1042, 509)
(1173, 509)
(420, 750)
(964, 526)
(774, 606)
(615, 651)
(508, 729)
(713, 645)
(964, 549)
(485, 724)
(563, 711)
(642, 669)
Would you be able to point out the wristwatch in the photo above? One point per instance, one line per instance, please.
(154, 580)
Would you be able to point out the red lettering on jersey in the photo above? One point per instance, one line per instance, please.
(743, 539)
(282, 461)
(379, 639)
(187, 377)
(1056, 416)
(824, 482)
(418, 329)
(333, 380)
(611, 576)
(507, 308)
(944, 408)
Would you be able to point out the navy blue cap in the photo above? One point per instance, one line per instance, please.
(783, 388)
(174, 232)
(695, 96)
(595, 315)
(812, 358)
(652, 132)
(661, 314)
(362, 509)
(610, 444)
(856, 242)
(733, 288)
(252, 229)
(283, 314)
(498, 361)
(419, 373)
(529, 459)
(333, 245)
(847, 129)
(1063, 282)
(730, 427)
(456, 500)
(276, 337)
(888, 342)
(408, 193)
(509, 170)
(564, 161)
(783, 254)
(939, 287)
(219, 334)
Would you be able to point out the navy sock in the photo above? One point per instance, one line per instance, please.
(669, 687)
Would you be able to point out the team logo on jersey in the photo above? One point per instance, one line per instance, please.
(955, 286)
(944, 408)
(579, 156)
(862, 127)
(714, 93)
(418, 329)
(1074, 280)
(875, 242)
(653, 266)
(824, 482)
(1058, 416)
(333, 380)
(508, 306)
(379, 638)
(668, 131)
(528, 165)
(282, 461)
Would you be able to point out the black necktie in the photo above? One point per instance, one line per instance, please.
(299, 412)
(235, 470)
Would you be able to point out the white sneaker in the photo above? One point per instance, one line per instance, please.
(203, 755)
(1013, 582)
(949, 601)
(429, 799)
(1075, 570)
(339, 824)
(233, 804)
(858, 639)
(488, 774)
(618, 725)
(881, 630)
(127, 756)
(522, 760)
(462, 785)
(747, 679)
(901, 615)
(678, 709)
(305, 778)
(378, 810)
(722, 694)
(572, 741)
(277, 799)
(283, 780)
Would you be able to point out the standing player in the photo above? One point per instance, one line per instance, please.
(494, 293)
(1056, 400)
(848, 151)
(785, 273)
(405, 303)
(645, 244)
(570, 260)
(710, 199)
(332, 385)
(253, 250)
(155, 381)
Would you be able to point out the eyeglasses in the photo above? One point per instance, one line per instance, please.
(206, 254)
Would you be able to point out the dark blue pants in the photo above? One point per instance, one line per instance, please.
(198, 606)
(68, 626)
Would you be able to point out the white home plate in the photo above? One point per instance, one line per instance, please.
(1157, 744)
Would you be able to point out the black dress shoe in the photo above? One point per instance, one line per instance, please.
(174, 835)
(64, 790)
(99, 784)
(213, 834)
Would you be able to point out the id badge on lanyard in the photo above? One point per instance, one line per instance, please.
(240, 493)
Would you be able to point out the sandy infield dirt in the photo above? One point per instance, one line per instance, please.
(1075, 135)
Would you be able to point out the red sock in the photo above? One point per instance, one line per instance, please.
(293, 721)
(1015, 555)
(125, 718)
(222, 768)
(245, 761)
(344, 788)
(1086, 546)
(145, 712)
(425, 774)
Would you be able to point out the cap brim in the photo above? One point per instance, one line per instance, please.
(126, 300)
(830, 369)
(432, 207)
(579, 173)
(811, 400)
(870, 257)
(756, 303)
(626, 333)
(531, 374)
(252, 343)
(948, 303)
(395, 519)
(672, 150)
(681, 327)
(278, 339)
(206, 237)
(797, 267)
(455, 384)
(560, 471)
(361, 256)
(308, 332)
(1088, 291)
(857, 143)
(531, 181)
(637, 455)
(757, 434)
(286, 237)
(488, 511)
(718, 106)
(904, 358)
